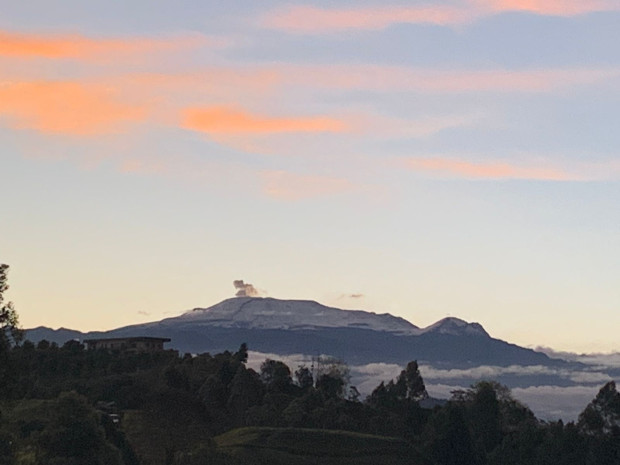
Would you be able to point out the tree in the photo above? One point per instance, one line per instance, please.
(246, 390)
(73, 434)
(303, 377)
(275, 375)
(379, 397)
(602, 415)
(331, 385)
(332, 366)
(333, 376)
(9, 323)
(409, 384)
(450, 439)
(241, 355)
(485, 415)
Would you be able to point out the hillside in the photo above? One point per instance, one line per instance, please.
(299, 446)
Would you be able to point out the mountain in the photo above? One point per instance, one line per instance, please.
(269, 313)
(287, 327)
(295, 315)
(456, 327)
(59, 336)
(452, 353)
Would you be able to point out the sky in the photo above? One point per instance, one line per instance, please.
(426, 159)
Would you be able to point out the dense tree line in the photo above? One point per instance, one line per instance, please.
(60, 403)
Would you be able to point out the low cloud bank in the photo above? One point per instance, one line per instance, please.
(492, 372)
(599, 360)
(548, 402)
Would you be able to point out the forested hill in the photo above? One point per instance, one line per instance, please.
(69, 406)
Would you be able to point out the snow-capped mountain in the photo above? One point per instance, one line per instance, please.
(283, 327)
(452, 352)
(268, 313)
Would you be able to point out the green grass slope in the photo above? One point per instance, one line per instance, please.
(298, 446)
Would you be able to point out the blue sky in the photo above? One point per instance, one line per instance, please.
(431, 158)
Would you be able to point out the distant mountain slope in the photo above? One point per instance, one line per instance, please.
(59, 336)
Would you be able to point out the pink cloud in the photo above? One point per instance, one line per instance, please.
(387, 78)
(306, 19)
(311, 20)
(276, 184)
(280, 78)
(220, 83)
(550, 7)
(284, 185)
(225, 89)
(450, 167)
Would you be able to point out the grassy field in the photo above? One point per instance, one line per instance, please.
(298, 446)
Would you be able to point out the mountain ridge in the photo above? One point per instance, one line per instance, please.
(451, 352)
(271, 313)
(274, 326)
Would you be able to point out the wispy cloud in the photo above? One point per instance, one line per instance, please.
(237, 84)
(493, 372)
(450, 167)
(398, 78)
(307, 19)
(80, 47)
(550, 7)
(230, 120)
(69, 108)
(285, 185)
(548, 168)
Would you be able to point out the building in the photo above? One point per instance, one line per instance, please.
(128, 344)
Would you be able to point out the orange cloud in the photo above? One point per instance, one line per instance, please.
(309, 19)
(65, 108)
(486, 170)
(290, 186)
(226, 120)
(84, 48)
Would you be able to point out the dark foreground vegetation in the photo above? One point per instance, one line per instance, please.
(67, 405)
(71, 406)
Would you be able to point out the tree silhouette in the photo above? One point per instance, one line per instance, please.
(9, 322)
(276, 375)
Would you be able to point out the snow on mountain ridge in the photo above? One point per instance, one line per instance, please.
(270, 313)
